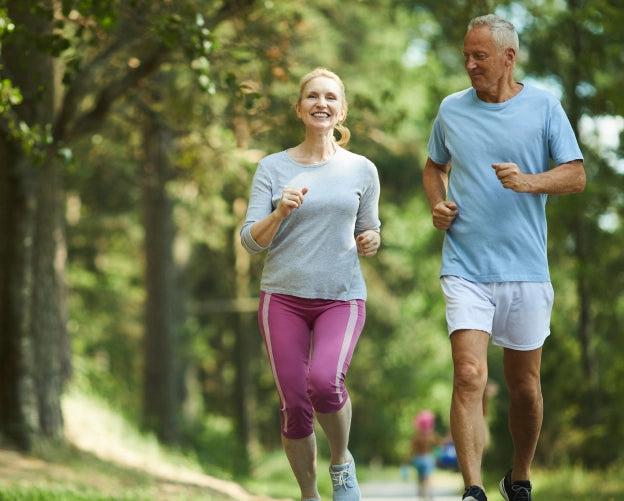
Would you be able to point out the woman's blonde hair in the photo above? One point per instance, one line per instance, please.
(344, 132)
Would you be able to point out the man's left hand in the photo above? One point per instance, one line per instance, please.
(511, 177)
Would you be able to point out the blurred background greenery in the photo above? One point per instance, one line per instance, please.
(130, 133)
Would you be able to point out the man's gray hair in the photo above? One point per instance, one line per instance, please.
(503, 31)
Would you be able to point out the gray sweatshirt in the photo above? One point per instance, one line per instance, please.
(313, 254)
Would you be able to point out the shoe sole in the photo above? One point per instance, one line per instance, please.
(470, 498)
(501, 488)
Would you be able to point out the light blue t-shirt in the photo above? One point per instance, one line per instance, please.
(314, 254)
(499, 235)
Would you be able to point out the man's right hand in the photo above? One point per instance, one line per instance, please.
(444, 213)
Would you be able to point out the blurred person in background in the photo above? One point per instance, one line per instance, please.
(421, 452)
(314, 208)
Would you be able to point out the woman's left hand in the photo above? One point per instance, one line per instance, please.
(368, 242)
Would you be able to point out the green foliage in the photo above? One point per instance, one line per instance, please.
(403, 362)
(9, 95)
(104, 273)
(227, 94)
(212, 439)
(404, 300)
(273, 477)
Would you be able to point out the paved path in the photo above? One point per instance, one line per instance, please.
(446, 487)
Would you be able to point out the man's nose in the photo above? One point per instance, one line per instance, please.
(470, 63)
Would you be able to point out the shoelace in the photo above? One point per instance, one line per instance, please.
(339, 478)
(472, 491)
(521, 493)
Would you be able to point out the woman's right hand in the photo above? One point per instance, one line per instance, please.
(264, 231)
(292, 198)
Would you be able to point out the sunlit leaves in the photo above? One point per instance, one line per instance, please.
(9, 95)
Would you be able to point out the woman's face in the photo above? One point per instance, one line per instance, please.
(321, 105)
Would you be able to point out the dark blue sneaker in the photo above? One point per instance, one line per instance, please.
(520, 490)
(474, 493)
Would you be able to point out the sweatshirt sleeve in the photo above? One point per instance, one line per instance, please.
(260, 206)
(368, 213)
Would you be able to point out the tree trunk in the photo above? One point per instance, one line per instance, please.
(246, 351)
(18, 409)
(593, 403)
(159, 402)
(34, 358)
(50, 339)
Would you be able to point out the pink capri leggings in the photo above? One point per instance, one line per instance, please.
(309, 343)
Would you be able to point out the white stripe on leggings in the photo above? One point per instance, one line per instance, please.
(346, 342)
(267, 335)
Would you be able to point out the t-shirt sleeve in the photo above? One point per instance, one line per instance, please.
(436, 145)
(562, 141)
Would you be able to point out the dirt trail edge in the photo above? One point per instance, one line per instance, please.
(84, 431)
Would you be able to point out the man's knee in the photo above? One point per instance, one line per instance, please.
(469, 377)
(525, 391)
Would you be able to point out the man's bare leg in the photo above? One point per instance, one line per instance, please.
(526, 407)
(468, 425)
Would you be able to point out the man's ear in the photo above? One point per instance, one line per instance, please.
(510, 54)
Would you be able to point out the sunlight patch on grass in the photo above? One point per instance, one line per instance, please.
(93, 427)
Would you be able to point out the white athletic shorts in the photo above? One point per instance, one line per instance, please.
(515, 314)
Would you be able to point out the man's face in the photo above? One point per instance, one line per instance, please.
(485, 64)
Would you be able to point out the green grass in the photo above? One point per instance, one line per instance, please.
(26, 493)
(89, 479)
(273, 477)
(56, 494)
(146, 492)
(577, 483)
(572, 482)
(275, 480)
(64, 472)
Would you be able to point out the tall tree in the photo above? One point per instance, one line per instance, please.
(71, 62)
(159, 374)
(34, 359)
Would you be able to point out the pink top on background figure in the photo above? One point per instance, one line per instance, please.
(424, 421)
